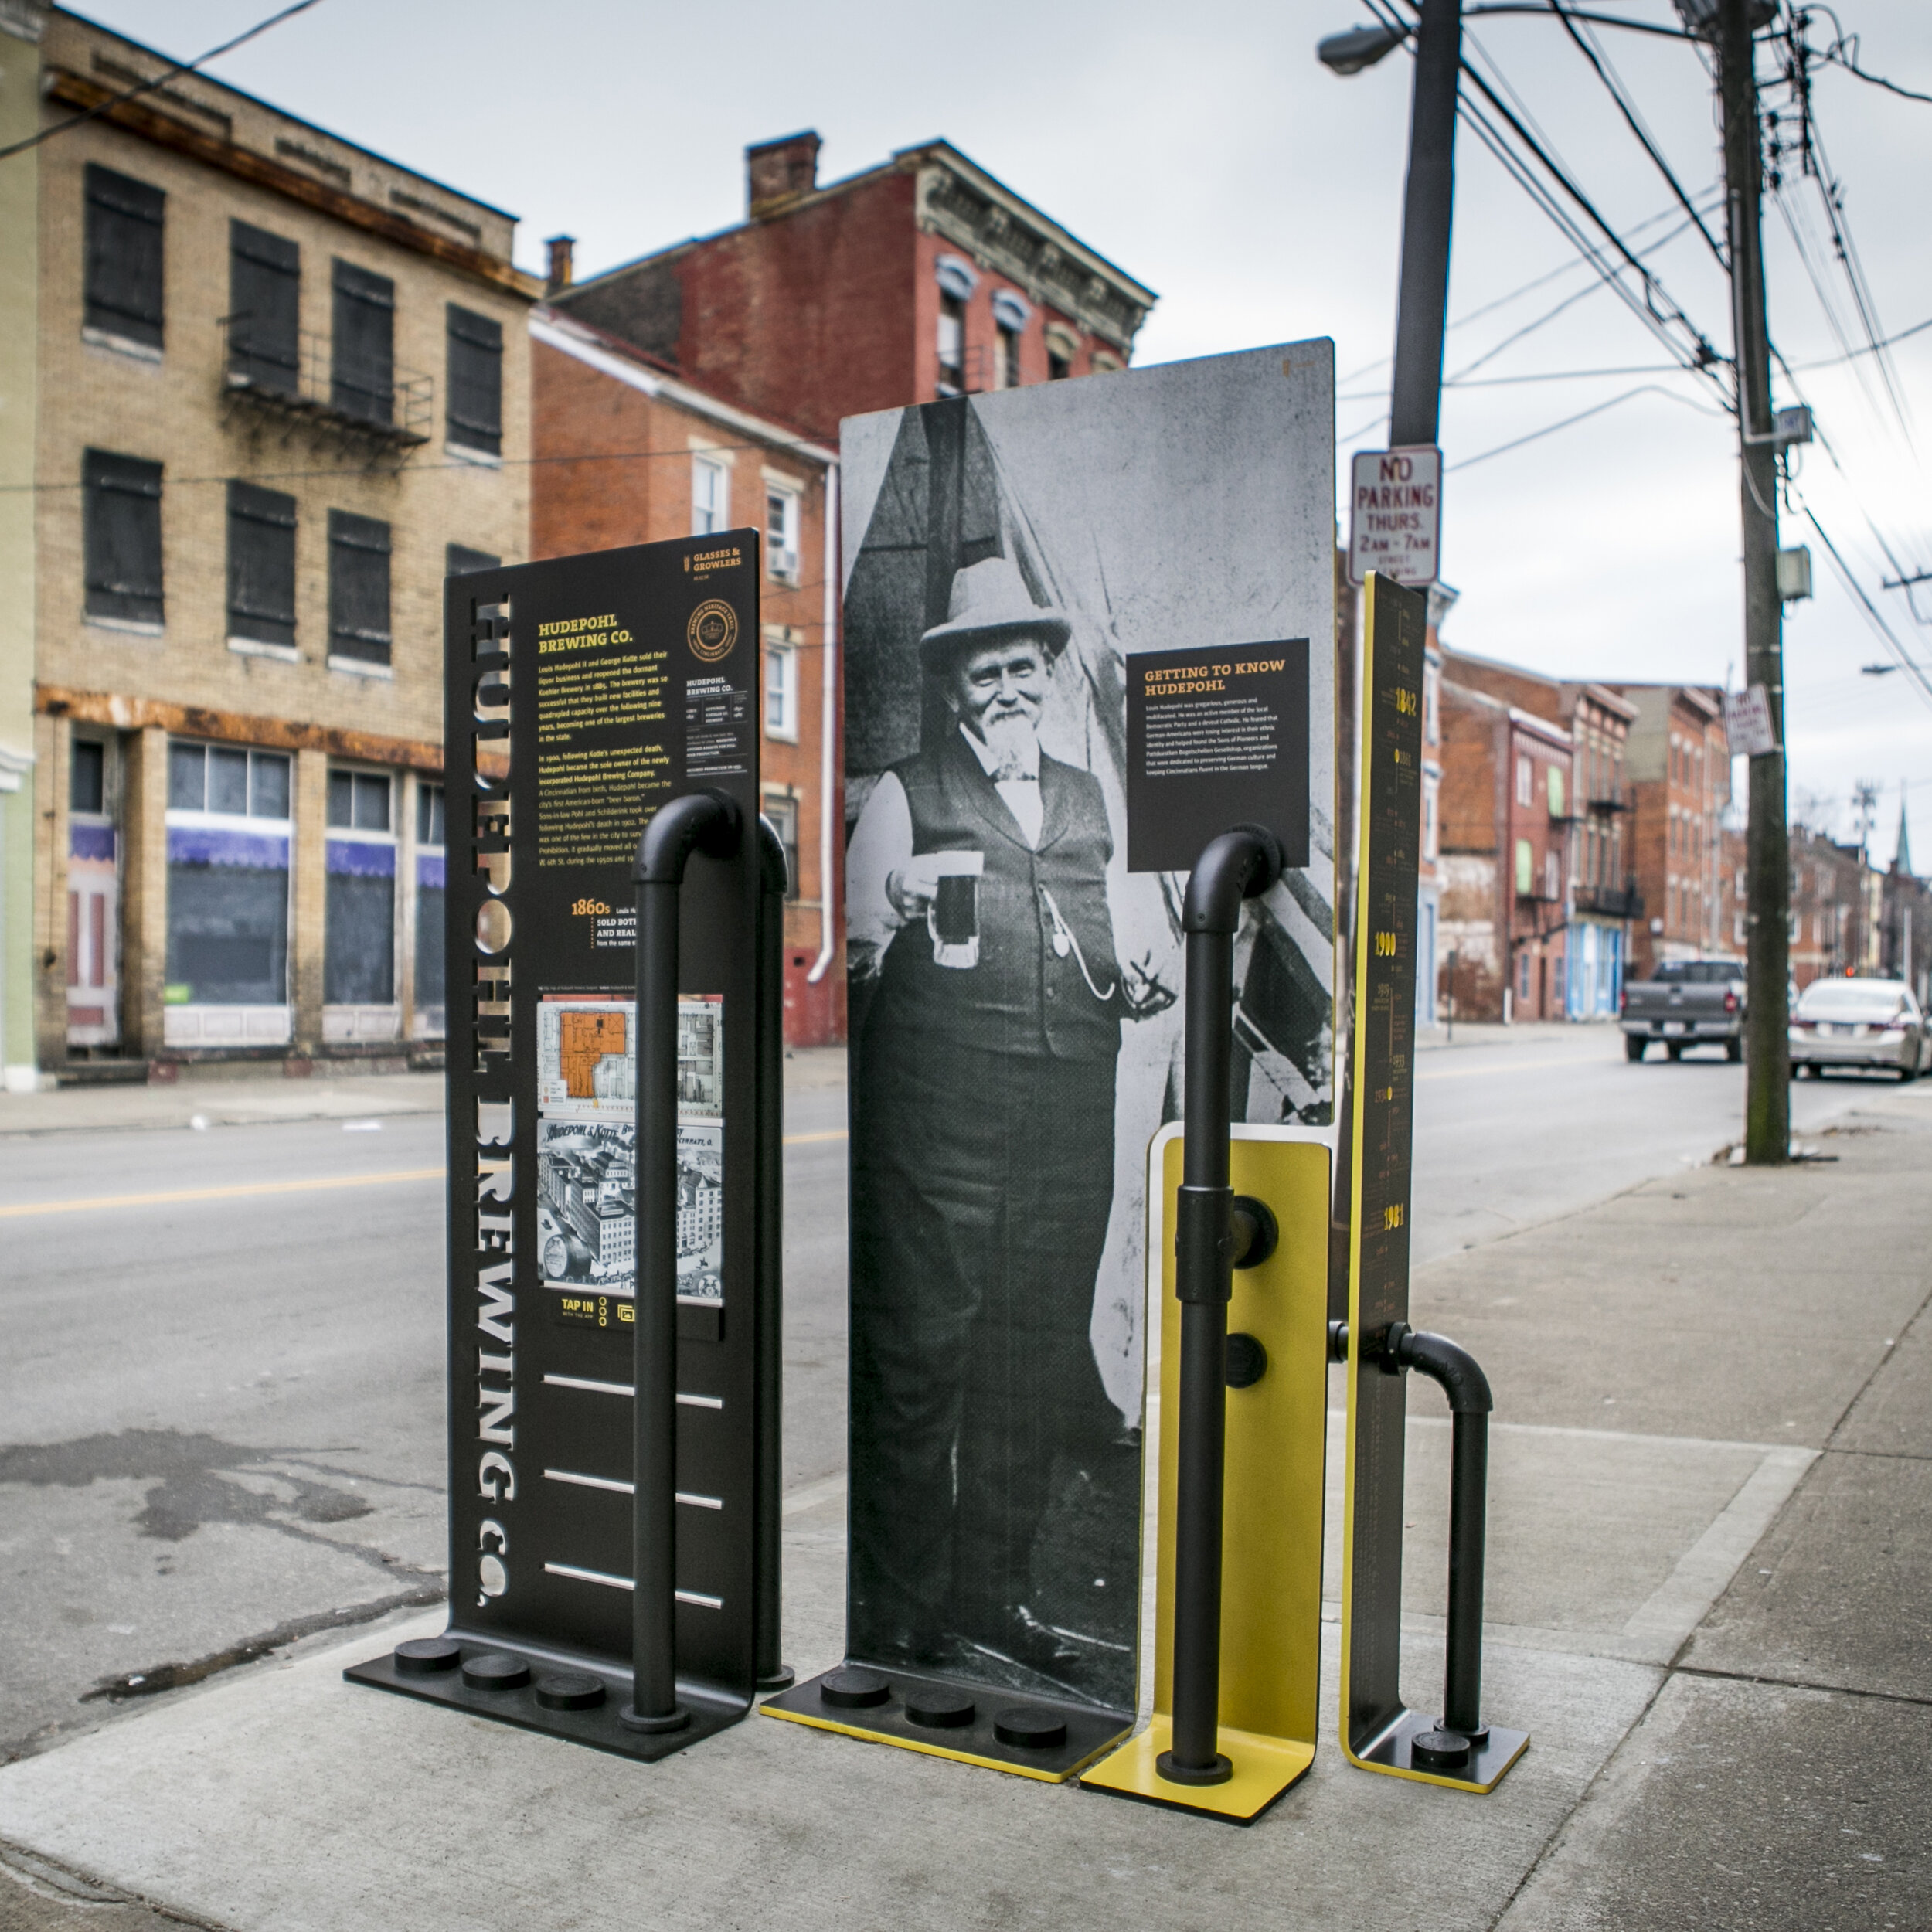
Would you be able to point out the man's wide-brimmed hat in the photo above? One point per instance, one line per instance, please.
(990, 601)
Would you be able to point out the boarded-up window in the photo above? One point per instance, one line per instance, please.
(358, 587)
(264, 308)
(362, 365)
(261, 564)
(123, 536)
(124, 256)
(475, 381)
(458, 558)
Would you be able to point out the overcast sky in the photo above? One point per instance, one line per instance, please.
(1204, 150)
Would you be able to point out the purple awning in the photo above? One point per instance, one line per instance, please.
(91, 842)
(351, 858)
(429, 871)
(213, 845)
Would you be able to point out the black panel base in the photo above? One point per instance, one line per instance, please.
(597, 1725)
(993, 1736)
(1487, 1759)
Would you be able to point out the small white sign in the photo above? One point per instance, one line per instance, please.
(1748, 722)
(1395, 520)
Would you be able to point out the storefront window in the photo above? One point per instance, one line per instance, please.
(359, 965)
(429, 996)
(228, 835)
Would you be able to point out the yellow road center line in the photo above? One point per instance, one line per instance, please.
(234, 1191)
(830, 1134)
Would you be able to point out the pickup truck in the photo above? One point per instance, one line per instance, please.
(1686, 1002)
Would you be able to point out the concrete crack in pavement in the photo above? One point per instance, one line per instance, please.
(166, 1677)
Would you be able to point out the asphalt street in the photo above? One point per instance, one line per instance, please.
(222, 1376)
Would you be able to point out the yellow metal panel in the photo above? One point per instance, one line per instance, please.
(1277, 1438)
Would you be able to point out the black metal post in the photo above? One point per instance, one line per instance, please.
(1239, 864)
(773, 1673)
(1470, 1403)
(711, 822)
(1427, 211)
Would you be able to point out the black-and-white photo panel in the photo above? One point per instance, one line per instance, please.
(1014, 987)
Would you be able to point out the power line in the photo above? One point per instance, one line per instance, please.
(1613, 82)
(160, 80)
(1550, 429)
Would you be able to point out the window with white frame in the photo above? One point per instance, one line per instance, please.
(1430, 788)
(781, 533)
(710, 496)
(1525, 781)
(781, 691)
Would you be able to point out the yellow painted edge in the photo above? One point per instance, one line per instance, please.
(1358, 1056)
(1437, 1778)
(933, 1750)
(1282, 1762)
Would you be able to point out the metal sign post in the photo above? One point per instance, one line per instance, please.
(615, 1086)
(1379, 1732)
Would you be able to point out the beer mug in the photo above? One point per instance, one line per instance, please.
(953, 917)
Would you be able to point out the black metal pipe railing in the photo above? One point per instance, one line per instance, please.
(1462, 1380)
(1239, 864)
(773, 880)
(712, 823)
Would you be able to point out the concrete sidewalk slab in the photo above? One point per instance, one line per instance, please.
(226, 1103)
(380, 1811)
(1748, 1807)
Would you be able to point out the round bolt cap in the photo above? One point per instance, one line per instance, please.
(424, 1656)
(940, 1710)
(495, 1670)
(570, 1690)
(853, 1690)
(1247, 1361)
(1439, 1750)
(1031, 1728)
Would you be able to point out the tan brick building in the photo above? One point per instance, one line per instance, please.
(283, 388)
(628, 452)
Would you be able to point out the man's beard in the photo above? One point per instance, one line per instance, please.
(1012, 739)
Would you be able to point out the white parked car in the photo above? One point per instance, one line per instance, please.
(1861, 1023)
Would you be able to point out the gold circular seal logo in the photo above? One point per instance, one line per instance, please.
(713, 630)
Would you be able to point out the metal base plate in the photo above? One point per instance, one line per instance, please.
(1390, 1754)
(598, 1727)
(1088, 1732)
(1264, 1767)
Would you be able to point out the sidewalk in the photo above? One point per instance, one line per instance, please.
(1711, 1486)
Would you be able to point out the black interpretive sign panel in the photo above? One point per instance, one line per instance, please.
(582, 694)
(1215, 738)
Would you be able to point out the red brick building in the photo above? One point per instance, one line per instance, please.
(1679, 765)
(922, 278)
(626, 454)
(1603, 894)
(919, 278)
(1504, 863)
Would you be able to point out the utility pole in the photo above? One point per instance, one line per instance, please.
(1767, 1099)
(1415, 408)
(1428, 208)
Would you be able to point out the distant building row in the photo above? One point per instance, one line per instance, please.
(1576, 834)
(261, 390)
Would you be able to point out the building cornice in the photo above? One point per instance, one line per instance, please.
(958, 200)
(141, 117)
(125, 713)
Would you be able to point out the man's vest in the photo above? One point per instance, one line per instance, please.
(1022, 997)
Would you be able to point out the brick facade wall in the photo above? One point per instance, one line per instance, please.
(615, 467)
(130, 690)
